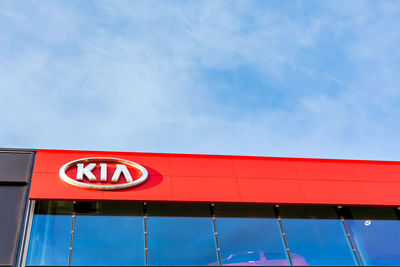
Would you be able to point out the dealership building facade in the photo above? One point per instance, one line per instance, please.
(91, 208)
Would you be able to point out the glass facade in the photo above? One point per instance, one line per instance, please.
(123, 234)
(375, 233)
(316, 235)
(249, 234)
(180, 234)
(51, 234)
(50, 240)
(108, 234)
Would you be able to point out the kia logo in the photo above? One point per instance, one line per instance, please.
(103, 173)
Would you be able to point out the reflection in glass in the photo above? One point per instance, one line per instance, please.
(316, 236)
(251, 240)
(176, 240)
(181, 241)
(50, 240)
(108, 240)
(376, 235)
(249, 234)
(108, 233)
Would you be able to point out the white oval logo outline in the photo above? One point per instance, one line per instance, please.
(73, 182)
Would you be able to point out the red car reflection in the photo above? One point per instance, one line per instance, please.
(252, 258)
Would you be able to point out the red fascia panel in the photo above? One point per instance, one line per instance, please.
(230, 179)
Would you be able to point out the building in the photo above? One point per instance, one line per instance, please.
(91, 208)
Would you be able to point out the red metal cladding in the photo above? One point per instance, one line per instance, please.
(225, 179)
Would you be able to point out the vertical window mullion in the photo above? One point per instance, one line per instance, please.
(72, 233)
(276, 209)
(340, 215)
(216, 233)
(27, 233)
(146, 249)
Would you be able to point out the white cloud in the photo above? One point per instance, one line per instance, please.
(129, 76)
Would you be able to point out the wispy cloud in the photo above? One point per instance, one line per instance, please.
(307, 79)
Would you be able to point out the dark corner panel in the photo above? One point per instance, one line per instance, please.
(15, 167)
(15, 173)
(12, 203)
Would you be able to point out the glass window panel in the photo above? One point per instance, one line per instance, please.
(108, 233)
(249, 234)
(376, 235)
(244, 211)
(178, 240)
(50, 234)
(179, 209)
(109, 208)
(54, 207)
(315, 235)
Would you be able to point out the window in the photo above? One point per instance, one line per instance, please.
(51, 234)
(375, 232)
(249, 234)
(108, 233)
(102, 233)
(128, 233)
(180, 234)
(316, 235)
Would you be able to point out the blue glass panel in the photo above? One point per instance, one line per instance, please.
(318, 242)
(377, 241)
(50, 240)
(108, 240)
(254, 241)
(181, 241)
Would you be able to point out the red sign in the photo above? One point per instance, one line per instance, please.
(218, 179)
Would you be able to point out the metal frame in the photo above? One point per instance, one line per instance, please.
(216, 233)
(26, 234)
(26, 226)
(146, 248)
(17, 150)
(278, 217)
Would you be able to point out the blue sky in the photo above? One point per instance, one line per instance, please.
(270, 78)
